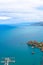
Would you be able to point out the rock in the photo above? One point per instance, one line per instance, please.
(36, 44)
(33, 52)
(40, 44)
(42, 49)
(32, 46)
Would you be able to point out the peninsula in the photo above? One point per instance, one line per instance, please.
(36, 44)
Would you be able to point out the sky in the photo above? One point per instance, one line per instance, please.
(21, 11)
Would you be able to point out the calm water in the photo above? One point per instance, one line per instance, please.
(13, 43)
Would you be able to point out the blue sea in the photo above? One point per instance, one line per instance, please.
(13, 43)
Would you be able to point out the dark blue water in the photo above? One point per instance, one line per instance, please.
(13, 43)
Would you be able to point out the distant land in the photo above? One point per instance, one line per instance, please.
(37, 24)
(5, 27)
(32, 24)
(9, 26)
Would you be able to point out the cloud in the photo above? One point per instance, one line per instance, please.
(22, 10)
(40, 8)
(4, 18)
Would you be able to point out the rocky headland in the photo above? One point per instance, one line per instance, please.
(36, 44)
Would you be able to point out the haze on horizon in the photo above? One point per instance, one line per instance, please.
(19, 11)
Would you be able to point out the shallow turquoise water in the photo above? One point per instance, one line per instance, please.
(13, 43)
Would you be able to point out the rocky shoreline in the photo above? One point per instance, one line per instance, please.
(36, 44)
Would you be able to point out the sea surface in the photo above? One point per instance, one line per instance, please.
(13, 43)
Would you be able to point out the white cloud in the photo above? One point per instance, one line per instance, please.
(25, 10)
(20, 4)
(4, 18)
